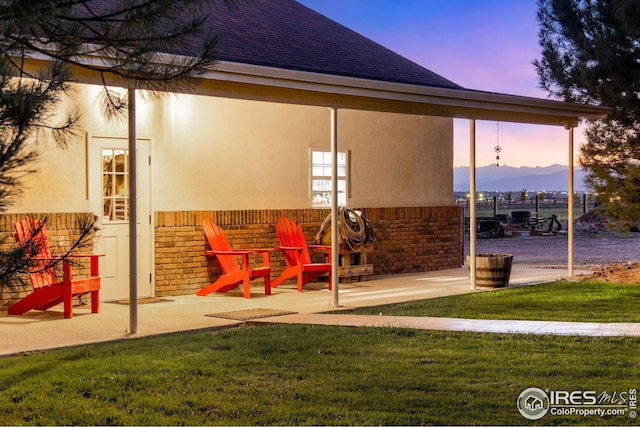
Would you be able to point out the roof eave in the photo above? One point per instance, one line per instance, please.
(280, 85)
(254, 82)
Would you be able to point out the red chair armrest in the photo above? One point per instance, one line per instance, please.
(266, 254)
(94, 270)
(236, 251)
(84, 255)
(231, 252)
(320, 247)
(289, 248)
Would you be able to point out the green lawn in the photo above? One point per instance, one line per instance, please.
(311, 375)
(560, 301)
(319, 375)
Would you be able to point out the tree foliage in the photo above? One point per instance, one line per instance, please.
(591, 54)
(155, 45)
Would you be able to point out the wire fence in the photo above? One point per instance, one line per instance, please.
(583, 204)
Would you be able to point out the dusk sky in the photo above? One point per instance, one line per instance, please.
(486, 45)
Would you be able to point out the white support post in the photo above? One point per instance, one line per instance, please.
(570, 208)
(133, 215)
(335, 246)
(472, 204)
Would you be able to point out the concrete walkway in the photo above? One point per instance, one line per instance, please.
(35, 331)
(462, 325)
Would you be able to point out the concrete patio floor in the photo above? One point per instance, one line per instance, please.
(35, 330)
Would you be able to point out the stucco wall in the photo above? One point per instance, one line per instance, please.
(215, 153)
(218, 153)
(398, 159)
(61, 181)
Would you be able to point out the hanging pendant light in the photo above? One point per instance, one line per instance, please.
(497, 148)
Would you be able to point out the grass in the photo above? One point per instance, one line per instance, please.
(557, 301)
(318, 375)
(311, 375)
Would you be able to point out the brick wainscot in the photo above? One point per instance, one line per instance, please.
(409, 240)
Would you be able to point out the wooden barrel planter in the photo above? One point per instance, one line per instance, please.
(492, 270)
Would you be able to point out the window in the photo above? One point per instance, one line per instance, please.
(321, 178)
(115, 185)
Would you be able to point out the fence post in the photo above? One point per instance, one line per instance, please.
(462, 238)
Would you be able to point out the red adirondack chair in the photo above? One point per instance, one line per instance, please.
(48, 291)
(293, 244)
(233, 275)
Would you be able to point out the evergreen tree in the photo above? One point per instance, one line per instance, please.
(157, 46)
(591, 54)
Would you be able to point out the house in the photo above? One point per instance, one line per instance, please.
(534, 403)
(250, 145)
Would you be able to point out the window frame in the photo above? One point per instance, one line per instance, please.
(343, 181)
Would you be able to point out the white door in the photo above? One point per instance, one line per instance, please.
(109, 197)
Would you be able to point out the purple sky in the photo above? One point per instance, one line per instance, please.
(486, 45)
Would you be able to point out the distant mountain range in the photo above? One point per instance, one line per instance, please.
(508, 178)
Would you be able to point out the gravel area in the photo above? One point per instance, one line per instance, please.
(590, 249)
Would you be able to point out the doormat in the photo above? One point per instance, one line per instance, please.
(145, 301)
(253, 313)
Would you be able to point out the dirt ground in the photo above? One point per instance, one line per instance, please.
(612, 256)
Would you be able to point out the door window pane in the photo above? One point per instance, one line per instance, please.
(115, 185)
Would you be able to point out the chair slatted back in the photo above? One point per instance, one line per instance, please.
(32, 234)
(291, 234)
(219, 242)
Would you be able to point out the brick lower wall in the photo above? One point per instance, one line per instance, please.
(409, 240)
(412, 240)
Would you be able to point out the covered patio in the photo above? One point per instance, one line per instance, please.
(337, 92)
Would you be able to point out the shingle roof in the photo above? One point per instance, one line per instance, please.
(288, 35)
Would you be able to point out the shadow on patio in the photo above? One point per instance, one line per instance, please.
(45, 330)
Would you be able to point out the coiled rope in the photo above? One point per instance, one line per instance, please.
(353, 230)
